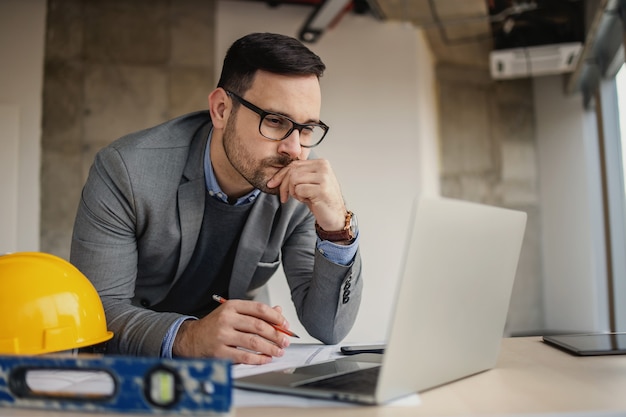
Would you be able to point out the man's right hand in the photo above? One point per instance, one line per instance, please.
(238, 330)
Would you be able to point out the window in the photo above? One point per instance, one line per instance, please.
(620, 81)
(615, 130)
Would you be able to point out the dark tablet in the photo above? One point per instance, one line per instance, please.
(590, 344)
(356, 349)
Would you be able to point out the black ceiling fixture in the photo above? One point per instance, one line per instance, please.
(517, 23)
(325, 14)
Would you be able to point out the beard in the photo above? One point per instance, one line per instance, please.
(256, 172)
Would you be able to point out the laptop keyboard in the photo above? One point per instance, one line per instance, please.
(362, 381)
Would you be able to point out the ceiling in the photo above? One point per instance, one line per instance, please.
(463, 32)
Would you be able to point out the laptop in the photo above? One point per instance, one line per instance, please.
(450, 310)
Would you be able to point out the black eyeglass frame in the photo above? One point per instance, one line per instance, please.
(294, 125)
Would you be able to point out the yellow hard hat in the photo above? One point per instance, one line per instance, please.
(47, 305)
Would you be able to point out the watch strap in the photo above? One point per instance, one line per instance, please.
(339, 235)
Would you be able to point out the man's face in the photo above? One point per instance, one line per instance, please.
(254, 157)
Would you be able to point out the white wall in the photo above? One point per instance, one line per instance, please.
(22, 28)
(378, 97)
(571, 210)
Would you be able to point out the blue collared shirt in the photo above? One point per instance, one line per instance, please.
(339, 254)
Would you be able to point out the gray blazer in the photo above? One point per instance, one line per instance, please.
(137, 225)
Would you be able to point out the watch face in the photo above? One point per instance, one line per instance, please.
(354, 225)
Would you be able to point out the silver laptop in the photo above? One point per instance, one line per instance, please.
(449, 315)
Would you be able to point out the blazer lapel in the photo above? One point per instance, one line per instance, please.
(191, 195)
(253, 243)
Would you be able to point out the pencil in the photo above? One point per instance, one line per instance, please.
(222, 300)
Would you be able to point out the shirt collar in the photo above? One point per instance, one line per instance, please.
(211, 182)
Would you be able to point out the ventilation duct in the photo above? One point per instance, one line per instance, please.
(534, 60)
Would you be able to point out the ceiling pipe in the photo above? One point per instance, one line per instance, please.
(323, 17)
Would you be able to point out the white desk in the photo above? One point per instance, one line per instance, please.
(530, 378)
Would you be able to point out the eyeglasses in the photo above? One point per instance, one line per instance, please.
(275, 126)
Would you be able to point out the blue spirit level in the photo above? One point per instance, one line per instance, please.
(116, 383)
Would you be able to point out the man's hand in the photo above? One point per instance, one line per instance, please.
(238, 330)
(313, 183)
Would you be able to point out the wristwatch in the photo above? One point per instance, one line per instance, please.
(347, 233)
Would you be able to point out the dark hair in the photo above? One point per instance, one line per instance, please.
(270, 52)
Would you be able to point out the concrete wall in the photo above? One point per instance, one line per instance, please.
(113, 67)
(489, 155)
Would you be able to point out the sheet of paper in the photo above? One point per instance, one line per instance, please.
(295, 355)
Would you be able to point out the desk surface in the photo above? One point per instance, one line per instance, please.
(530, 377)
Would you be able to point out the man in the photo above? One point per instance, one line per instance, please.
(212, 203)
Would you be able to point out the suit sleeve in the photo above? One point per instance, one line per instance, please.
(104, 248)
(326, 295)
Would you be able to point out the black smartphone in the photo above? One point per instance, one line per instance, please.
(353, 350)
